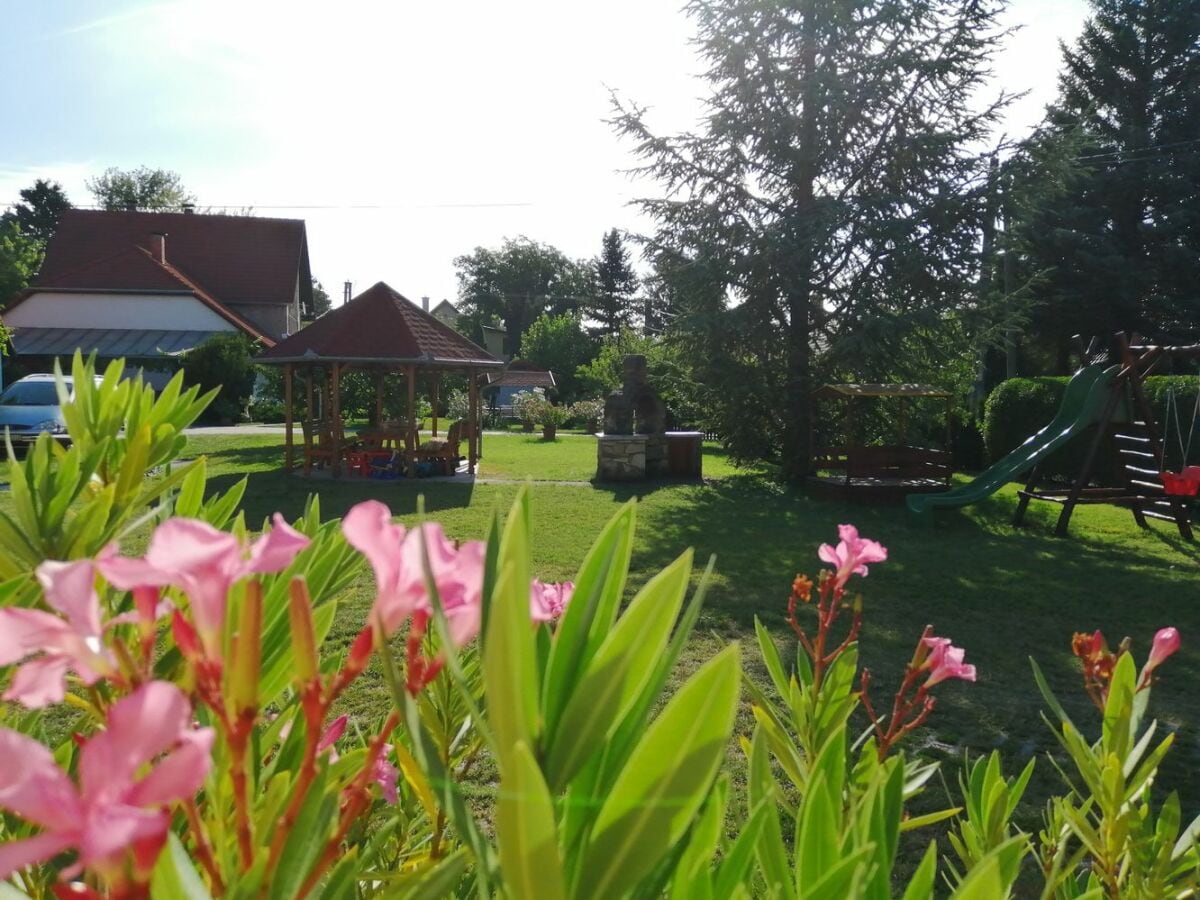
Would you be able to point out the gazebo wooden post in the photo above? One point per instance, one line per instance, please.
(335, 419)
(473, 432)
(437, 377)
(287, 417)
(903, 420)
(379, 376)
(410, 438)
(308, 398)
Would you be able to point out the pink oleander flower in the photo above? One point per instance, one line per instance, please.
(387, 777)
(204, 563)
(395, 556)
(548, 601)
(56, 645)
(119, 804)
(945, 661)
(1166, 642)
(851, 555)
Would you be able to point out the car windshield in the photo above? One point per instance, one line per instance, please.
(30, 393)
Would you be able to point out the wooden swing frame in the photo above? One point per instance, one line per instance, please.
(1138, 445)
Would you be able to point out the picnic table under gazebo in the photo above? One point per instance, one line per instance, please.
(381, 332)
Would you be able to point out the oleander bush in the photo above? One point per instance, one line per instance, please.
(205, 755)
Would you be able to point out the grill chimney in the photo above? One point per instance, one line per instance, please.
(346, 286)
(425, 304)
(158, 246)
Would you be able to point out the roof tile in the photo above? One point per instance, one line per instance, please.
(380, 325)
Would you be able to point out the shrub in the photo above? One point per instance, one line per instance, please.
(1014, 410)
(589, 414)
(223, 362)
(527, 405)
(458, 405)
(549, 414)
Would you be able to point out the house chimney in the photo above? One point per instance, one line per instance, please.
(346, 286)
(158, 246)
(189, 209)
(425, 304)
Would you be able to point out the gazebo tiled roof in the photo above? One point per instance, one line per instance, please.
(380, 327)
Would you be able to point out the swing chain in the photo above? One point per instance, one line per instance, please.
(1170, 412)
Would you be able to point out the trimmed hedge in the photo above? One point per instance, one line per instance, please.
(1020, 406)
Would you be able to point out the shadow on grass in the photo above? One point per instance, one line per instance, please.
(1005, 594)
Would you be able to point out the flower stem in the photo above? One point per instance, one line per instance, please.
(359, 794)
(314, 716)
(239, 745)
(204, 850)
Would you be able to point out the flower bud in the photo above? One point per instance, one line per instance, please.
(1166, 642)
(247, 652)
(304, 641)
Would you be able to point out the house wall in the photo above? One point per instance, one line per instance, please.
(273, 319)
(146, 312)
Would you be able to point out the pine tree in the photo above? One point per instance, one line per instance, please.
(616, 284)
(834, 185)
(1120, 238)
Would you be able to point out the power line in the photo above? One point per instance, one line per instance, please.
(356, 206)
(1135, 150)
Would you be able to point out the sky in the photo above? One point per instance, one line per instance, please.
(404, 133)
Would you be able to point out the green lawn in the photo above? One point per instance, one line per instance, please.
(1004, 594)
(569, 458)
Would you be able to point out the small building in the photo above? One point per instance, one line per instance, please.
(519, 375)
(150, 285)
(494, 338)
(446, 313)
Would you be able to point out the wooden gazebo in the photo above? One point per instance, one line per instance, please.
(879, 473)
(379, 331)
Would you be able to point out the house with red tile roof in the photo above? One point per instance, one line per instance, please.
(145, 285)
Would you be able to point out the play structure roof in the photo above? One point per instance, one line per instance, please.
(380, 327)
(847, 391)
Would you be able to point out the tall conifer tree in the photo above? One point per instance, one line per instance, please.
(835, 185)
(616, 283)
(1119, 238)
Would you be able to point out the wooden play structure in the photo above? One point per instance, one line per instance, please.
(1125, 421)
(858, 472)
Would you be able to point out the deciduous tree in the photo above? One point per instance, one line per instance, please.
(516, 283)
(321, 303)
(20, 257)
(40, 208)
(560, 344)
(143, 189)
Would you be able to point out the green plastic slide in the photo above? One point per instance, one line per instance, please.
(1082, 405)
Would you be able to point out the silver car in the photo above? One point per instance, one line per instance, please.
(29, 407)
